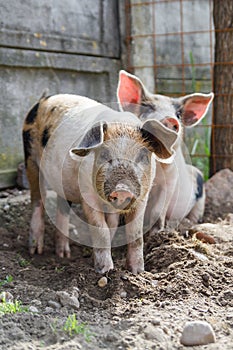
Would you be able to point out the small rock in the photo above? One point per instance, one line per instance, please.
(49, 310)
(169, 289)
(36, 302)
(75, 291)
(68, 300)
(229, 218)
(6, 207)
(154, 333)
(54, 304)
(154, 283)
(201, 236)
(219, 197)
(123, 294)
(197, 333)
(226, 297)
(102, 282)
(33, 309)
(124, 278)
(155, 322)
(6, 296)
(206, 279)
(198, 255)
(4, 194)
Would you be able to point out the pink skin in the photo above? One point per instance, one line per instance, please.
(36, 234)
(121, 197)
(62, 235)
(112, 220)
(134, 234)
(101, 235)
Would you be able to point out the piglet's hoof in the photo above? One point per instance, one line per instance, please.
(102, 260)
(135, 268)
(105, 268)
(36, 245)
(63, 247)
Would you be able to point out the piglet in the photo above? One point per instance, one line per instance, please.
(178, 189)
(103, 159)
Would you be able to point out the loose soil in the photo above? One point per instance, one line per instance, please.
(185, 280)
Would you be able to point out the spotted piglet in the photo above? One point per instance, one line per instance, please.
(103, 159)
(178, 190)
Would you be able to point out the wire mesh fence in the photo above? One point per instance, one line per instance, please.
(171, 47)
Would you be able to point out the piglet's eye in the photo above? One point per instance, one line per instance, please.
(143, 156)
(105, 156)
(178, 114)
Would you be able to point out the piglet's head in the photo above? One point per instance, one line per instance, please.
(174, 113)
(123, 169)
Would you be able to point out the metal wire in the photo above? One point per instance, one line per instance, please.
(180, 34)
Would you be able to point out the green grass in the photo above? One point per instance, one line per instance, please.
(8, 279)
(12, 307)
(73, 327)
(59, 269)
(200, 143)
(23, 262)
(201, 147)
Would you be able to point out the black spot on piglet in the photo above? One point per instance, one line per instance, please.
(32, 114)
(45, 137)
(27, 145)
(199, 190)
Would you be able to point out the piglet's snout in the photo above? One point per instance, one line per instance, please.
(122, 197)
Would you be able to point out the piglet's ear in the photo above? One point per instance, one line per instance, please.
(130, 92)
(92, 139)
(161, 140)
(195, 107)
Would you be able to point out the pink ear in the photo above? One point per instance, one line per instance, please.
(171, 123)
(129, 90)
(195, 108)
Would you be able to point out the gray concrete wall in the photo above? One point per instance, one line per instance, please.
(66, 46)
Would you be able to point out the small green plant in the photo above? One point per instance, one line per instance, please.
(12, 307)
(201, 143)
(8, 279)
(54, 326)
(23, 262)
(59, 269)
(72, 327)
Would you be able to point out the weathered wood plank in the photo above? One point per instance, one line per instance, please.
(83, 27)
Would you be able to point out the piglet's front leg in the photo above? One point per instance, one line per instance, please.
(101, 238)
(134, 234)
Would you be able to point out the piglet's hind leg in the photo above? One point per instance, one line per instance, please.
(36, 234)
(62, 228)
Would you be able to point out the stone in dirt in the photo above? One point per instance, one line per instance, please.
(70, 300)
(154, 333)
(6, 296)
(102, 282)
(197, 333)
(219, 196)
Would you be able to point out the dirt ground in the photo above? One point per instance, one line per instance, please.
(185, 279)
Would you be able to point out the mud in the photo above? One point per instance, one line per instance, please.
(185, 279)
